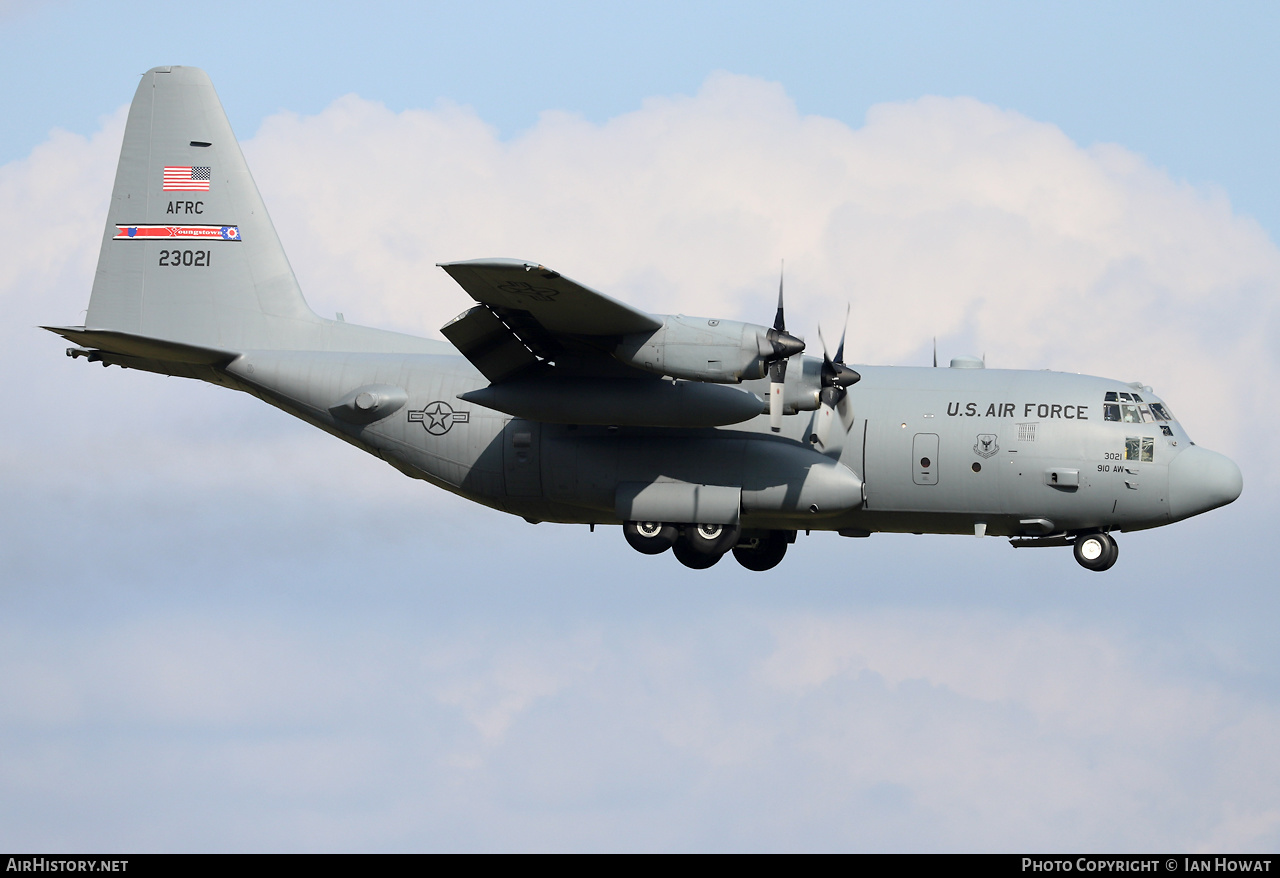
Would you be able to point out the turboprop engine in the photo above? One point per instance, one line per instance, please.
(710, 350)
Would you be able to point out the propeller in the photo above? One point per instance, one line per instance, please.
(784, 345)
(834, 395)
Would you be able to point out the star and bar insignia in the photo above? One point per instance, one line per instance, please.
(438, 417)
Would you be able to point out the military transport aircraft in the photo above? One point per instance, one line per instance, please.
(558, 403)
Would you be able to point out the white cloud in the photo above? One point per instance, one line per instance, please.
(886, 729)
(699, 729)
(1071, 723)
(939, 216)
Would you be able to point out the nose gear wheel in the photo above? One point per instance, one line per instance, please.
(1096, 551)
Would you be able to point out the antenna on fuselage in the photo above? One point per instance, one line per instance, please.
(935, 352)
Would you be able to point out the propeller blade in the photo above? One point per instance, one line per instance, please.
(775, 406)
(843, 332)
(783, 343)
(822, 426)
(827, 365)
(836, 379)
(779, 321)
(834, 399)
(845, 409)
(777, 387)
(827, 415)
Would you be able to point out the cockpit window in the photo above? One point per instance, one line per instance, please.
(1129, 408)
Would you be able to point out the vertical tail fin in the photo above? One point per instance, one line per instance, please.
(189, 254)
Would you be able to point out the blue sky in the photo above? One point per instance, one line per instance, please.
(222, 630)
(1187, 86)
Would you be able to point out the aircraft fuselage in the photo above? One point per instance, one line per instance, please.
(941, 450)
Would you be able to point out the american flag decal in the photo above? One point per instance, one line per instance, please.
(186, 179)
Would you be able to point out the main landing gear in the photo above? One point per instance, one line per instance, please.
(650, 537)
(1096, 551)
(764, 552)
(699, 546)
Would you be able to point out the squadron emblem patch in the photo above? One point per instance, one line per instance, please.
(986, 445)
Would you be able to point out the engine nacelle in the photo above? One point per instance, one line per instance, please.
(701, 349)
(802, 392)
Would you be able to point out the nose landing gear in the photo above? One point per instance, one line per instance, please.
(1096, 551)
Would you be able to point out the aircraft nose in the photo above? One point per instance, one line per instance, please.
(1200, 480)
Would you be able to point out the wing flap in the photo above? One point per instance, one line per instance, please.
(489, 344)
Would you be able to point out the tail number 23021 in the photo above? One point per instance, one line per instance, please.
(198, 258)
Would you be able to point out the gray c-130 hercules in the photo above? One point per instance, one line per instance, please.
(558, 403)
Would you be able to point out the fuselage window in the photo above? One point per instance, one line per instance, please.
(1131, 414)
(1140, 448)
(1110, 410)
(1137, 398)
(1127, 397)
(1159, 412)
(1111, 396)
(1164, 428)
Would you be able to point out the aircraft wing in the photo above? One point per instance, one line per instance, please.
(530, 316)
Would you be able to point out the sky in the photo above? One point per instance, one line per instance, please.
(221, 629)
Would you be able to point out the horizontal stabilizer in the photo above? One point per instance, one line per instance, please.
(142, 347)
